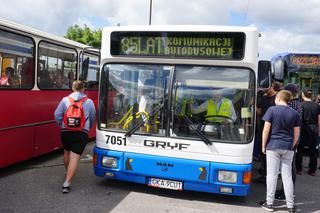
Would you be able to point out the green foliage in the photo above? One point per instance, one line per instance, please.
(85, 35)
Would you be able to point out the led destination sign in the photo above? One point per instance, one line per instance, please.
(306, 60)
(179, 45)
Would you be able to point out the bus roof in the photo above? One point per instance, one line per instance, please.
(32, 31)
(288, 54)
(181, 28)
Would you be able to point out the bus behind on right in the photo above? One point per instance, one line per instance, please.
(302, 69)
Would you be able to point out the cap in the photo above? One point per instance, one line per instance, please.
(292, 88)
(307, 91)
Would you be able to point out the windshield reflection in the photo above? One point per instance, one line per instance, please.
(218, 102)
(212, 104)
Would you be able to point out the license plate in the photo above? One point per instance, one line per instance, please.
(165, 184)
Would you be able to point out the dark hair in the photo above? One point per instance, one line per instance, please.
(9, 70)
(78, 85)
(307, 92)
(276, 86)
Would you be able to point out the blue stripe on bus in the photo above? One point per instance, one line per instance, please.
(196, 175)
(15, 48)
(93, 62)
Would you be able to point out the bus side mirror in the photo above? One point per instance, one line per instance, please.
(264, 74)
(278, 68)
(84, 69)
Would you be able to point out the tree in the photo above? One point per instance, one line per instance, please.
(85, 35)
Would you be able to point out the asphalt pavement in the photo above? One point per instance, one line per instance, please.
(35, 186)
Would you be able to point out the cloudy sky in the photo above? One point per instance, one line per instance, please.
(285, 25)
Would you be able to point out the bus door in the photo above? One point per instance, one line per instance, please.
(56, 66)
(89, 72)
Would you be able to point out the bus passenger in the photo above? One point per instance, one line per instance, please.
(71, 79)
(44, 80)
(146, 103)
(309, 132)
(4, 81)
(279, 137)
(61, 82)
(295, 104)
(74, 142)
(318, 100)
(263, 103)
(219, 110)
(14, 81)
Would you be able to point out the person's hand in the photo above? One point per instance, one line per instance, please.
(191, 104)
(225, 122)
(264, 150)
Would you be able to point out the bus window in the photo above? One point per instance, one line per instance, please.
(16, 58)
(92, 64)
(215, 100)
(56, 66)
(136, 92)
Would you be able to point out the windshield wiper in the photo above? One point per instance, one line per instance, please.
(135, 127)
(198, 132)
(142, 121)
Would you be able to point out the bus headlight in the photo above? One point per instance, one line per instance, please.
(110, 162)
(227, 176)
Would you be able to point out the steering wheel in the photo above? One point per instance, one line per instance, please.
(226, 118)
(206, 121)
(201, 126)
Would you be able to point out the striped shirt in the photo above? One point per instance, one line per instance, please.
(296, 105)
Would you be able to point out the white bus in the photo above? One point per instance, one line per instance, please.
(158, 124)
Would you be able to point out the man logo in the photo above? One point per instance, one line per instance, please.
(164, 166)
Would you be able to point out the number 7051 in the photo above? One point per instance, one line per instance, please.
(116, 140)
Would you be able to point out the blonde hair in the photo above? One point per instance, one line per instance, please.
(77, 85)
(284, 95)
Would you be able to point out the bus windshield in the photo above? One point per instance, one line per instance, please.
(303, 70)
(132, 93)
(214, 101)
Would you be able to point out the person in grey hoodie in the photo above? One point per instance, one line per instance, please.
(74, 142)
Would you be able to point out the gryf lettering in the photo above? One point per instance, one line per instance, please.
(166, 145)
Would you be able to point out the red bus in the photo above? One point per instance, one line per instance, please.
(36, 71)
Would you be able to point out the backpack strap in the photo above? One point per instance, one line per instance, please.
(82, 100)
(71, 100)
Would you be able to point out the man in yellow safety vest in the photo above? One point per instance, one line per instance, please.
(219, 110)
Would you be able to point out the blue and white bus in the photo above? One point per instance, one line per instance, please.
(153, 78)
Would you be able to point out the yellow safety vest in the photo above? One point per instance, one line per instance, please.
(184, 110)
(224, 110)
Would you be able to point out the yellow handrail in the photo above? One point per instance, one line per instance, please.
(123, 118)
(138, 114)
